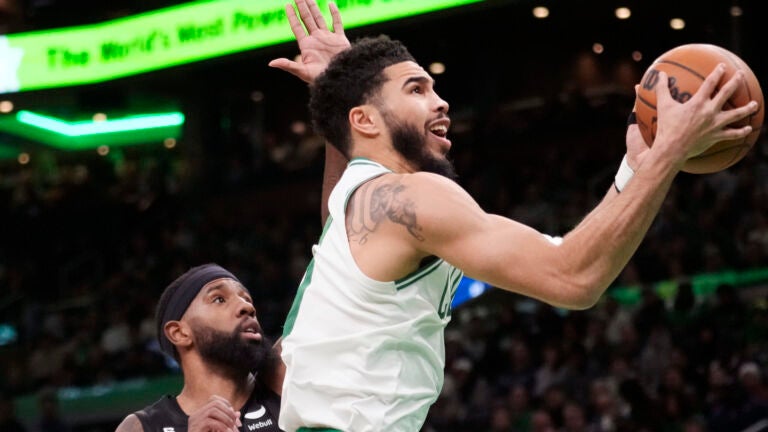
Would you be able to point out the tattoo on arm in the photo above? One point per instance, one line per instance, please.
(372, 205)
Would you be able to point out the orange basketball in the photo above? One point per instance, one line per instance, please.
(687, 66)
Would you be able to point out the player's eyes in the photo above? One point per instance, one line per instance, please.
(417, 89)
(218, 299)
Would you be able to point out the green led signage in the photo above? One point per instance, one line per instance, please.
(169, 37)
(89, 127)
(90, 134)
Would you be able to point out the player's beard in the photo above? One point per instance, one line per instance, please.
(412, 145)
(231, 353)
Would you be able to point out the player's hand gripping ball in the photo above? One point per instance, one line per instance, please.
(687, 66)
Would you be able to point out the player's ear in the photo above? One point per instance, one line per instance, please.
(178, 333)
(365, 120)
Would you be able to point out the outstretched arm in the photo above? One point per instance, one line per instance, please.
(431, 215)
(576, 273)
(318, 45)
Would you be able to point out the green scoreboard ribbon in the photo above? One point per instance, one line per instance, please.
(169, 37)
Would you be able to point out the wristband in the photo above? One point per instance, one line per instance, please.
(623, 175)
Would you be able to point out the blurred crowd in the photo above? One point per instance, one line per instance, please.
(517, 365)
(89, 244)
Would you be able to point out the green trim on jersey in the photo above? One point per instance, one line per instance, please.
(291, 318)
(364, 161)
(416, 275)
(455, 282)
(444, 309)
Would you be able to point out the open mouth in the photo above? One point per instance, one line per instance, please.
(440, 130)
(251, 331)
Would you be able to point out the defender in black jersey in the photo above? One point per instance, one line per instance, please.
(258, 414)
(205, 317)
(232, 373)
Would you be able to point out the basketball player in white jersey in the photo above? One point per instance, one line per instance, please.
(363, 342)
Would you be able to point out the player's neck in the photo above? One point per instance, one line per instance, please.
(387, 156)
(201, 383)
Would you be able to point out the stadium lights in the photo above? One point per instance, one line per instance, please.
(145, 128)
(90, 127)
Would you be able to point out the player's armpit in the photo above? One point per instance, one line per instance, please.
(130, 424)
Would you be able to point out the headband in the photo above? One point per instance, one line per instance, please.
(184, 290)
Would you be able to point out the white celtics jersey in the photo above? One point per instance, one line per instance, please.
(363, 355)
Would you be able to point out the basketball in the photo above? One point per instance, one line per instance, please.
(687, 66)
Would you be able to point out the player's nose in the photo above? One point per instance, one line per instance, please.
(442, 105)
(245, 308)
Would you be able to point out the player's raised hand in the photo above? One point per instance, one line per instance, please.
(316, 42)
(702, 121)
(217, 415)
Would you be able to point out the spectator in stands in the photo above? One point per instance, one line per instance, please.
(550, 371)
(519, 407)
(606, 406)
(541, 421)
(575, 419)
(753, 382)
(501, 420)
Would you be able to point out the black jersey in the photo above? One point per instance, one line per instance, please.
(259, 413)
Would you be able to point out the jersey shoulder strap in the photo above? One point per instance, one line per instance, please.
(165, 415)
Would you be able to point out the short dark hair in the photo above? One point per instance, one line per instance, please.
(350, 80)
